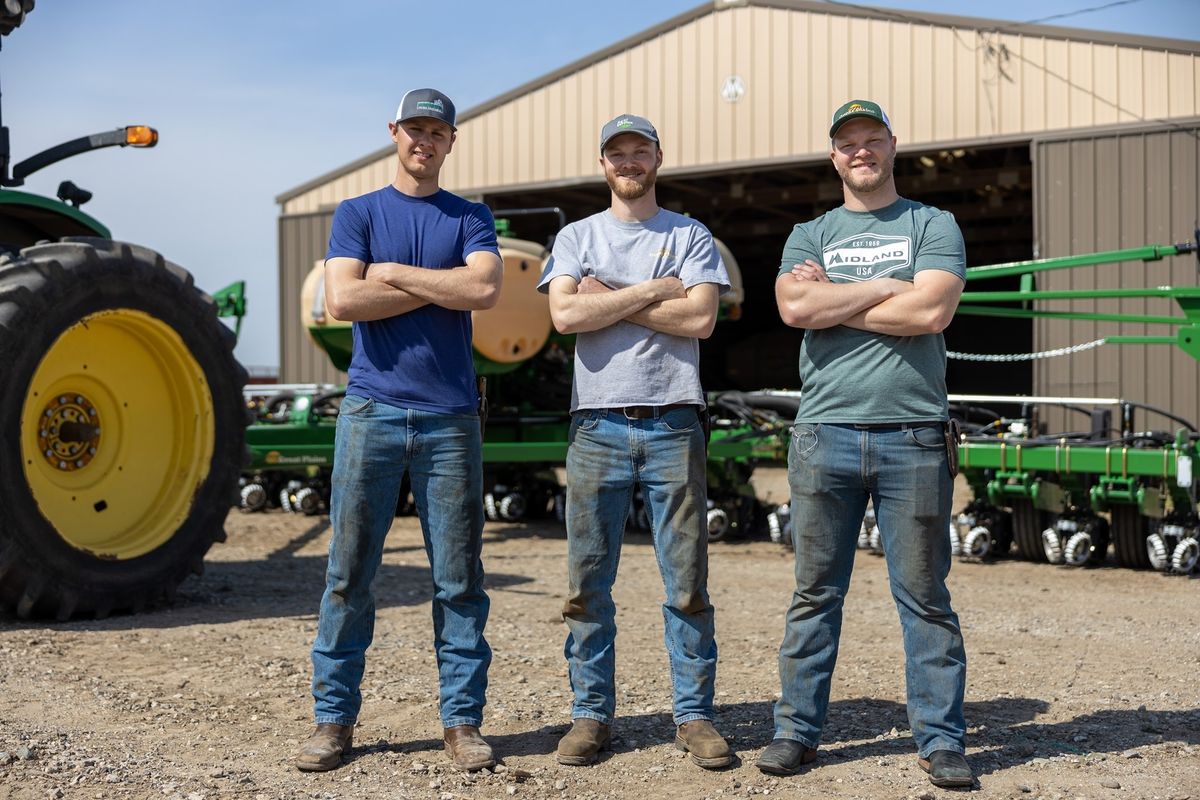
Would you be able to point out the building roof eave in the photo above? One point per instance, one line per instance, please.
(813, 6)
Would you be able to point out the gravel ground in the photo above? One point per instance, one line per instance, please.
(1082, 683)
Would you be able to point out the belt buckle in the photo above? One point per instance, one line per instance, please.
(637, 412)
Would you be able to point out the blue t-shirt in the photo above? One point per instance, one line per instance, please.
(421, 359)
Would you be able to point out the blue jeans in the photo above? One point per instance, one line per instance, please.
(375, 445)
(609, 456)
(832, 470)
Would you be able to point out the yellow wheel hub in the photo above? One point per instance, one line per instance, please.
(117, 433)
(69, 435)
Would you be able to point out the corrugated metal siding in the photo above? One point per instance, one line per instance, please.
(303, 239)
(941, 84)
(1108, 191)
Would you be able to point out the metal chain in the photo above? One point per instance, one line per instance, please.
(1058, 351)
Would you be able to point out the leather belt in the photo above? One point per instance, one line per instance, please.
(896, 426)
(649, 412)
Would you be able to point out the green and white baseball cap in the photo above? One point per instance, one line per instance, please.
(856, 109)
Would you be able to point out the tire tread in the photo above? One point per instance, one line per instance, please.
(39, 287)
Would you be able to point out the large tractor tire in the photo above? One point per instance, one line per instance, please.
(121, 428)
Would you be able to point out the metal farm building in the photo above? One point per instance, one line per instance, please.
(1043, 141)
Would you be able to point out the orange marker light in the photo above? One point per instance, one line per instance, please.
(141, 136)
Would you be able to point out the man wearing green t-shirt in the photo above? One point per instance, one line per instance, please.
(873, 283)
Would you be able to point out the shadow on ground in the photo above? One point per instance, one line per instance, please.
(1007, 733)
(281, 584)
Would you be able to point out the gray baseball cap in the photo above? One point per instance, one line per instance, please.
(426, 103)
(627, 123)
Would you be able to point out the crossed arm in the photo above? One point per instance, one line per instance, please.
(807, 299)
(661, 304)
(360, 292)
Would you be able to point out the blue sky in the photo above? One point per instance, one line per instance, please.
(256, 102)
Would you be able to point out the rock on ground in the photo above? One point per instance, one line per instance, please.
(1082, 683)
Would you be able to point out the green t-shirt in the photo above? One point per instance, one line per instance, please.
(853, 376)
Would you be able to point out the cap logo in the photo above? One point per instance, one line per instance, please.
(434, 105)
(625, 123)
(855, 107)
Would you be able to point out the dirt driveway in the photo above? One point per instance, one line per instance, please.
(1082, 684)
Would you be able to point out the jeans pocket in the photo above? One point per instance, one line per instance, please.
(354, 404)
(587, 419)
(804, 439)
(930, 437)
(681, 419)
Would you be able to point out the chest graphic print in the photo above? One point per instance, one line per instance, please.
(867, 255)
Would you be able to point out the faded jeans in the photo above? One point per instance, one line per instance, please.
(609, 456)
(833, 470)
(376, 443)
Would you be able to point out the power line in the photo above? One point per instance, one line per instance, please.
(886, 12)
(919, 17)
(1080, 11)
(1002, 53)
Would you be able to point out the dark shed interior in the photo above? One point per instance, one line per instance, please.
(988, 189)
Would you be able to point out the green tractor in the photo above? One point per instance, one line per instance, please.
(121, 419)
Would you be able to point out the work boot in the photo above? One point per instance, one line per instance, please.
(947, 769)
(467, 749)
(786, 757)
(707, 747)
(583, 742)
(323, 750)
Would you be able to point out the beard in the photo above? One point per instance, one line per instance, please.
(629, 188)
(865, 184)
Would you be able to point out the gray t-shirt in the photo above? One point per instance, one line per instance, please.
(627, 364)
(853, 376)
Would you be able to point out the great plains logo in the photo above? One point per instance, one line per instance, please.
(866, 256)
(851, 110)
(276, 457)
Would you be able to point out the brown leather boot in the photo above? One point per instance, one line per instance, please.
(467, 749)
(582, 744)
(707, 747)
(323, 750)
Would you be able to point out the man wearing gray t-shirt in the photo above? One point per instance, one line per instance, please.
(639, 286)
(874, 282)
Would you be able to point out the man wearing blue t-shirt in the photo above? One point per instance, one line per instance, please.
(874, 282)
(639, 285)
(407, 264)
